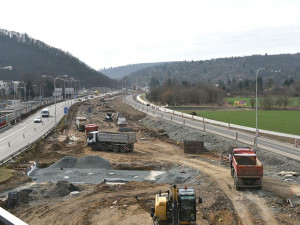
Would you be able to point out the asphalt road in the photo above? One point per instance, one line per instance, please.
(26, 131)
(285, 149)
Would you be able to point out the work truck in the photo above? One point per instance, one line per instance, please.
(246, 169)
(80, 122)
(111, 141)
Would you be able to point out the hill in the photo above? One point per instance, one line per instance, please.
(31, 58)
(222, 71)
(122, 71)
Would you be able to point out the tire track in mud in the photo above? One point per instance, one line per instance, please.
(246, 205)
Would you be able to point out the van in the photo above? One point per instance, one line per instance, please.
(45, 112)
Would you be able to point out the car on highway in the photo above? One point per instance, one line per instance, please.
(37, 119)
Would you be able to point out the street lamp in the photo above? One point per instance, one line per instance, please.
(256, 130)
(6, 68)
(54, 79)
(29, 91)
(17, 91)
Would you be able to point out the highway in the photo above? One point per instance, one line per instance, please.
(25, 132)
(285, 149)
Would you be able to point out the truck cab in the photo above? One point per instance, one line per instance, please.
(45, 112)
(92, 137)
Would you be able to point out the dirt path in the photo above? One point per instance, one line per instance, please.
(249, 205)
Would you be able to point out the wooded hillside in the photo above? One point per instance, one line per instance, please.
(32, 58)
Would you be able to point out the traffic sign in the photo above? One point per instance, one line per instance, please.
(66, 109)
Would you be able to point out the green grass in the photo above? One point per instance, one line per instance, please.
(279, 121)
(5, 174)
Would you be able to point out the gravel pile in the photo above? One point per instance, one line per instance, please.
(182, 133)
(178, 176)
(86, 162)
(273, 163)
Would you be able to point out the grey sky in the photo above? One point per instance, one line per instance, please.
(114, 33)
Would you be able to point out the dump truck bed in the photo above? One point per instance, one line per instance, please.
(127, 138)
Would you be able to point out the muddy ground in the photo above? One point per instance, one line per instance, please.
(157, 148)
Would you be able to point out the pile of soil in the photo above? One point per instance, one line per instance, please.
(61, 189)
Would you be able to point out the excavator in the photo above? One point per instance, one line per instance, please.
(177, 206)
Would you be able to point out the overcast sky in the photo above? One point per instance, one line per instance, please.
(113, 33)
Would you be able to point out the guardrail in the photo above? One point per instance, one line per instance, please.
(219, 123)
(6, 159)
(9, 219)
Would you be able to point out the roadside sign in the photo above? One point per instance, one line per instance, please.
(66, 110)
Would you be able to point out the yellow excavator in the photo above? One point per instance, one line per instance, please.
(177, 206)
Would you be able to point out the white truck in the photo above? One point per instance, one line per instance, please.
(80, 123)
(122, 122)
(112, 141)
(45, 112)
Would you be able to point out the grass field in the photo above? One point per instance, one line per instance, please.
(279, 121)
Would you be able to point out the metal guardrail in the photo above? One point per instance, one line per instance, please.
(228, 125)
(9, 219)
(10, 157)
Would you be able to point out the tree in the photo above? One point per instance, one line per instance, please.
(267, 102)
(270, 82)
(166, 97)
(154, 82)
(252, 102)
(285, 101)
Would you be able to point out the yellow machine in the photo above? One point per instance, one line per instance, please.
(177, 206)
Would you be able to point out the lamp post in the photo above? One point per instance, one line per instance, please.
(54, 79)
(256, 130)
(29, 91)
(6, 68)
(17, 91)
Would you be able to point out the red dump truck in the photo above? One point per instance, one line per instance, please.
(246, 169)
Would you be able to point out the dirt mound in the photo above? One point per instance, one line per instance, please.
(61, 189)
(86, 162)
(178, 176)
(92, 162)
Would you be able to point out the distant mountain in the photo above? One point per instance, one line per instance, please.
(222, 71)
(122, 71)
(31, 58)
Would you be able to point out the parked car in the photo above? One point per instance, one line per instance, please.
(37, 119)
(193, 113)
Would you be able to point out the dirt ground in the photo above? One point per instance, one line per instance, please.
(130, 203)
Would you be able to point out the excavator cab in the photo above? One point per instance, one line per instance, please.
(187, 205)
(177, 206)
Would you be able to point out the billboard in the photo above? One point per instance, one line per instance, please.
(242, 103)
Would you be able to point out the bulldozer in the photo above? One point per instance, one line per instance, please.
(177, 206)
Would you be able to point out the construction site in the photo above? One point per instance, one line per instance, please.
(76, 183)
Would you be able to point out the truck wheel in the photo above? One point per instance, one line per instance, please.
(123, 149)
(116, 148)
(102, 147)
